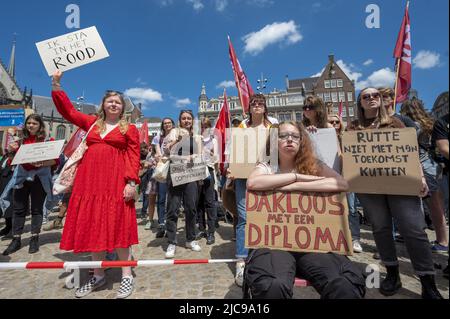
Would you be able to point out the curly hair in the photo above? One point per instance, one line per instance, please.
(316, 104)
(101, 115)
(414, 109)
(305, 161)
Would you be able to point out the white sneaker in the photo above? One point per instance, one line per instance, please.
(239, 279)
(357, 246)
(148, 225)
(193, 245)
(170, 252)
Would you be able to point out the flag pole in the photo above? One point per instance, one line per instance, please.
(396, 85)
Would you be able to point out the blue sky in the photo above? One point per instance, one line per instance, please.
(161, 51)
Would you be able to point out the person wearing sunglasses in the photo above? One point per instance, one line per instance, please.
(258, 118)
(187, 194)
(406, 210)
(315, 114)
(270, 273)
(101, 216)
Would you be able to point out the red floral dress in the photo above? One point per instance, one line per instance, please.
(98, 218)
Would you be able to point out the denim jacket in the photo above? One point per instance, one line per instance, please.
(20, 176)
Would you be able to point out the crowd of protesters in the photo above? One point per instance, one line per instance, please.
(100, 214)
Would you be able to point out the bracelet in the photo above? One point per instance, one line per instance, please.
(132, 183)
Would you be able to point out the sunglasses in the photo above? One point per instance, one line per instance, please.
(368, 96)
(255, 103)
(113, 91)
(334, 122)
(308, 108)
(285, 136)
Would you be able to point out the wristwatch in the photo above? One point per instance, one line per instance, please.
(132, 183)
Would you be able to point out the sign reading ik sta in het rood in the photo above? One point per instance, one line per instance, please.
(72, 50)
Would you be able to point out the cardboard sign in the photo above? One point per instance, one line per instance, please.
(382, 161)
(326, 145)
(37, 152)
(303, 222)
(72, 50)
(183, 173)
(247, 148)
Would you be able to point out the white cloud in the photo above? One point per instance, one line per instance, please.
(196, 4)
(349, 70)
(225, 84)
(426, 59)
(141, 82)
(221, 5)
(182, 102)
(165, 3)
(368, 62)
(284, 32)
(318, 74)
(380, 78)
(144, 95)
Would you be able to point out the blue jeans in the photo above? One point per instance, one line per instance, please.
(162, 192)
(240, 189)
(353, 217)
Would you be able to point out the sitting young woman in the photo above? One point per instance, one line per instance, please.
(270, 274)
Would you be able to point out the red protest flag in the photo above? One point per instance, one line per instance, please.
(243, 86)
(74, 142)
(223, 123)
(402, 53)
(143, 134)
(340, 110)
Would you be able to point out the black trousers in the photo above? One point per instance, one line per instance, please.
(30, 192)
(188, 193)
(207, 203)
(270, 274)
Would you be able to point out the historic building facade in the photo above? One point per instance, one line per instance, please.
(440, 107)
(333, 86)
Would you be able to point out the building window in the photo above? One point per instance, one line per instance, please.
(285, 117)
(341, 96)
(340, 83)
(350, 111)
(327, 97)
(327, 84)
(298, 116)
(333, 84)
(349, 96)
(232, 105)
(334, 96)
(61, 132)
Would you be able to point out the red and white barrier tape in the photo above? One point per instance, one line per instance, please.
(109, 264)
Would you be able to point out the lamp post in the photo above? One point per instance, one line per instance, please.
(262, 84)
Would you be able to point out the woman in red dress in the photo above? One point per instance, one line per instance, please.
(101, 216)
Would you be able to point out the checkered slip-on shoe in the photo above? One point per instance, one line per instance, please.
(89, 287)
(126, 288)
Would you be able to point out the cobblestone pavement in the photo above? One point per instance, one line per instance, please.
(177, 281)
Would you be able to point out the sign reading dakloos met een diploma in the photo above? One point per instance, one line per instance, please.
(298, 221)
(72, 50)
(38, 152)
(383, 161)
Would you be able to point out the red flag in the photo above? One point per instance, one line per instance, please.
(74, 142)
(341, 106)
(143, 134)
(242, 83)
(223, 123)
(402, 53)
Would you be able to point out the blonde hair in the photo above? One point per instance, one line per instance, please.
(101, 115)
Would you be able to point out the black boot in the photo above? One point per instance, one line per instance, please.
(34, 244)
(429, 290)
(161, 232)
(210, 240)
(391, 284)
(14, 246)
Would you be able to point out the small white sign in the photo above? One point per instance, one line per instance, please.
(183, 173)
(72, 50)
(326, 145)
(38, 152)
